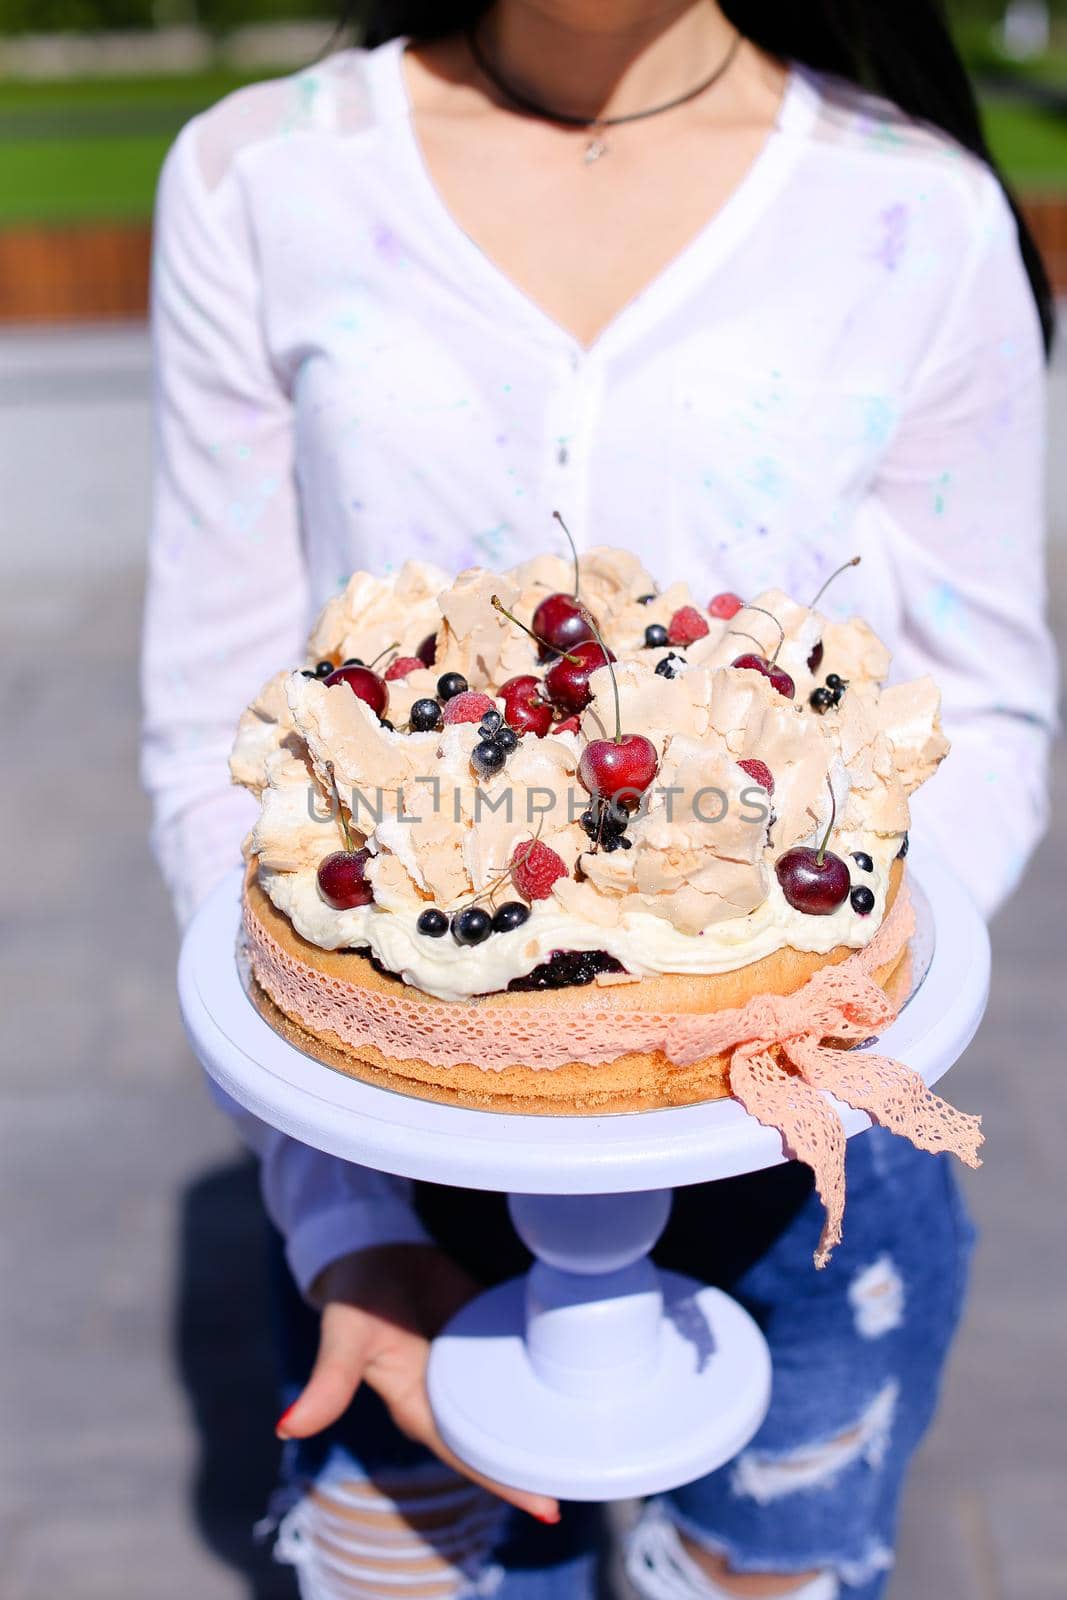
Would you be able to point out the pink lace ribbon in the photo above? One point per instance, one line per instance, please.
(778, 1061)
(847, 1006)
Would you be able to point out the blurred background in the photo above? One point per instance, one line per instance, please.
(135, 1374)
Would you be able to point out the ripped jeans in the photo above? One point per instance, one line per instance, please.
(858, 1351)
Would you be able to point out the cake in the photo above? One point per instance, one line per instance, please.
(557, 840)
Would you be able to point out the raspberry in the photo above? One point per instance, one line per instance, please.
(470, 706)
(724, 606)
(686, 626)
(759, 772)
(401, 667)
(535, 868)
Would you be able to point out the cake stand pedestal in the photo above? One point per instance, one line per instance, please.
(595, 1376)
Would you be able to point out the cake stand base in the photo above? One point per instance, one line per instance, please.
(594, 1376)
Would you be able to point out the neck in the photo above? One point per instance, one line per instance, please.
(591, 59)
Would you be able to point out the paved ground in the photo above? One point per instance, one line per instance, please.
(135, 1377)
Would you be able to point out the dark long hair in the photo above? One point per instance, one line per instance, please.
(903, 51)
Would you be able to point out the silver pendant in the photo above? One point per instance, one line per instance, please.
(594, 150)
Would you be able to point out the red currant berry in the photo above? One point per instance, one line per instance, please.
(759, 772)
(469, 706)
(535, 868)
(686, 626)
(342, 881)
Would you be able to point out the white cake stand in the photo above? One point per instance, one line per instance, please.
(595, 1376)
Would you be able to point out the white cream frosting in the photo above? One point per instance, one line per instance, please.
(643, 943)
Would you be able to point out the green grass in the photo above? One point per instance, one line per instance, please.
(91, 150)
(1030, 144)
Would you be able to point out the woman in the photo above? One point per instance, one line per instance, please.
(662, 264)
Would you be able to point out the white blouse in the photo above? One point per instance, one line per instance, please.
(846, 359)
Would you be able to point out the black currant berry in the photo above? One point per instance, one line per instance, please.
(306, 672)
(863, 860)
(471, 926)
(353, 661)
(510, 916)
(324, 668)
(645, 599)
(671, 665)
(655, 636)
(902, 852)
(862, 900)
(506, 739)
(425, 716)
(487, 758)
(821, 700)
(490, 724)
(834, 681)
(433, 923)
(449, 684)
(383, 722)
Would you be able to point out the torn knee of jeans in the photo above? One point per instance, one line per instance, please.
(663, 1563)
(876, 1295)
(764, 1475)
(424, 1535)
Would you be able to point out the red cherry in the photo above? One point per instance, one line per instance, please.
(561, 621)
(759, 772)
(342, 883)
(401, 667)
(524, 708)
(568, 725)
(364, 684)
(779, 679)
(624, 767)
(815, 658)
(567, 680)
(813, 881)
(725, 605)
(427, 651)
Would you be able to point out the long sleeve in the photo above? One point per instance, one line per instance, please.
(963, 489)
(226, 605)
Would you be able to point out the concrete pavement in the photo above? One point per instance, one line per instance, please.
(135, 1371)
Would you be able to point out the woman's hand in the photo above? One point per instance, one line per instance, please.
(380, 1309)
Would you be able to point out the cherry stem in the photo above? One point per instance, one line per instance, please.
(574, 549)
(614, 679)
(498, 605)
(739, 633)
(835, 574)
(394, 646)
(821, 857)
(494, 883)
(781, 631)
(345, 835)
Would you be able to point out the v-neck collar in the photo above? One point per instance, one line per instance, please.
(683, 273)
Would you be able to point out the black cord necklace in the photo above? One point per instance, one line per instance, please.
(596, 146)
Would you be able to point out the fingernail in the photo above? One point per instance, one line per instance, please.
(550, 1518)
(279, 1426)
